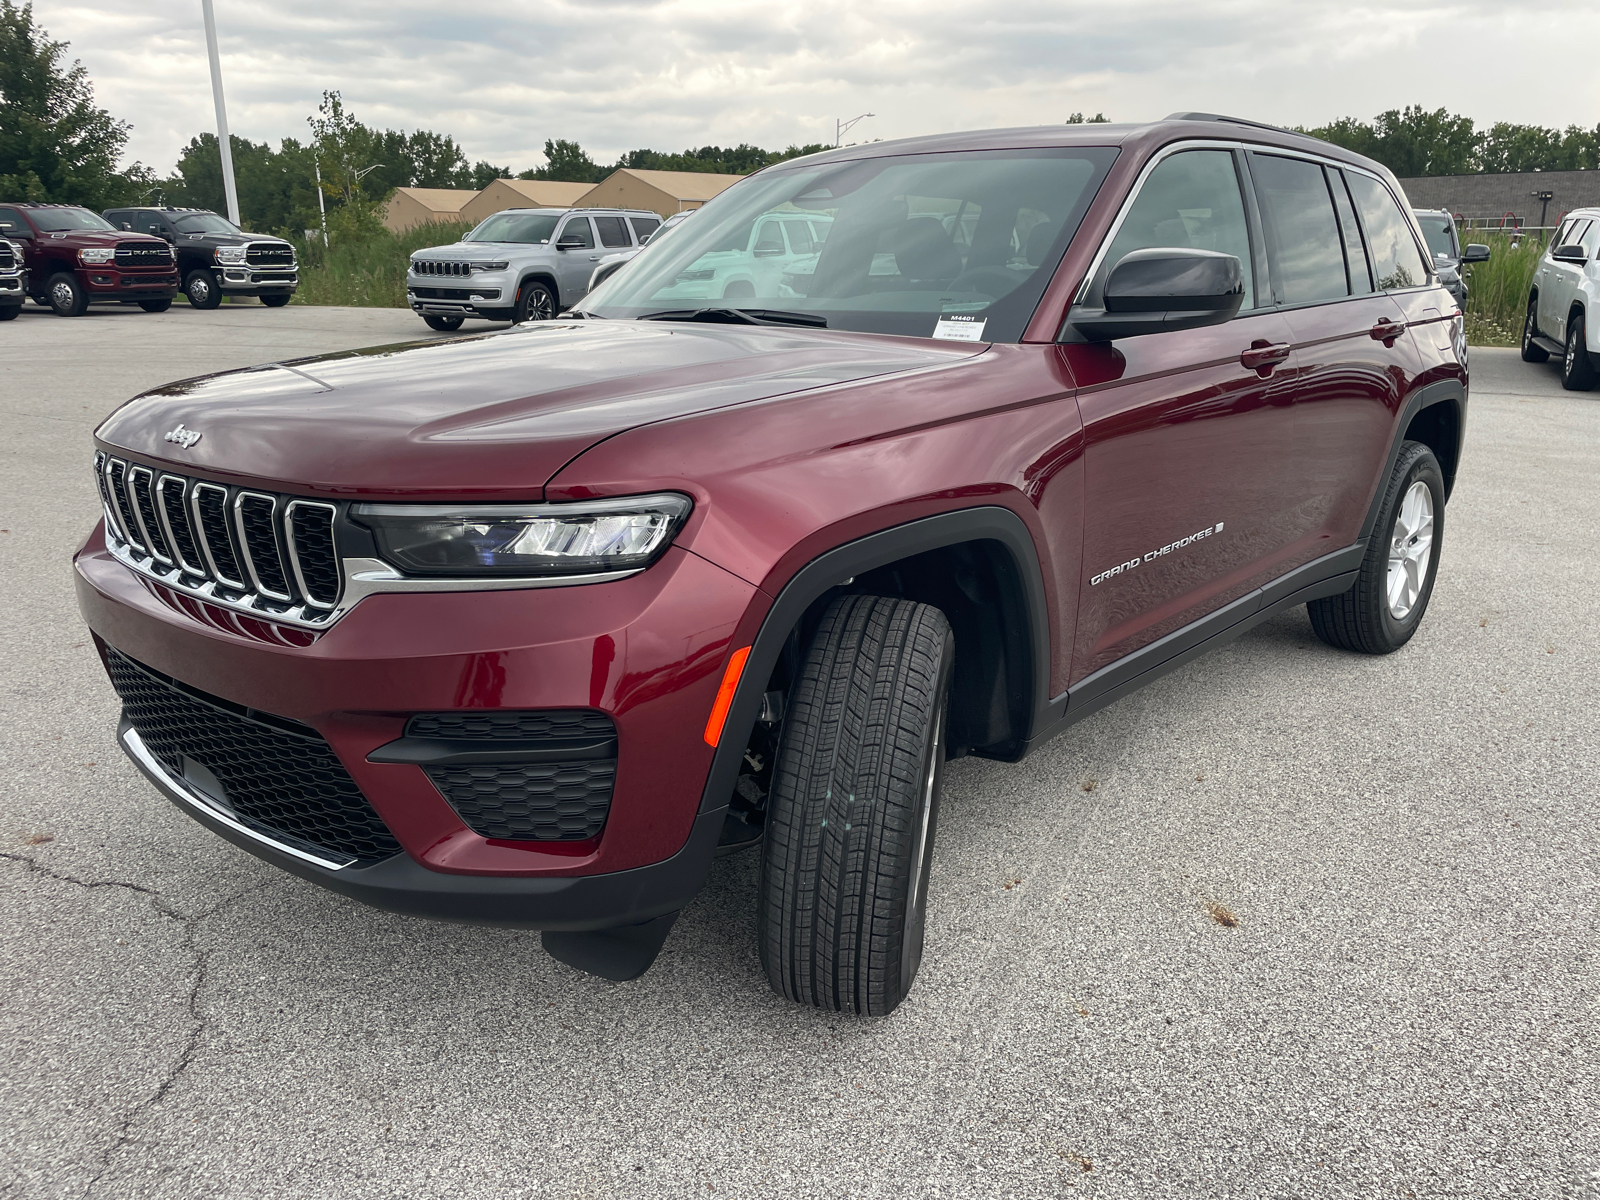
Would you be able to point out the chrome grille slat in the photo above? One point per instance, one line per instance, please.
(209, 505)
(308, 535)
(174, 516)
(117, 480)
(141, 490)
(113, 520)
(254, 515)
(440, 267)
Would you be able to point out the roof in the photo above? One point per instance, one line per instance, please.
(549, 192)
(437, 199)
(683, 185)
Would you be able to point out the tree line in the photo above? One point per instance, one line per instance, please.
(1414, 142)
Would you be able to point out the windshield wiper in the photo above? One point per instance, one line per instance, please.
(739, 316)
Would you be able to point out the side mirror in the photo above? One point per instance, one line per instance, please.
(1573, 253)
(127, 226)
(571, 242)
(1475, 253)
(1165, 288)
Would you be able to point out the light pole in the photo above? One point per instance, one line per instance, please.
(840, 128)
(228, 188)
(1544, 199)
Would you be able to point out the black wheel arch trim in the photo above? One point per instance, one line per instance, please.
(1443, 391)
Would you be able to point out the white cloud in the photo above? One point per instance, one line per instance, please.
(616, 75)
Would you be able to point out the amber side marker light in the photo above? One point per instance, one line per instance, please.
(730, 682)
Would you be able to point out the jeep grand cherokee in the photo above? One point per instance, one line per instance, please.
(524, 628)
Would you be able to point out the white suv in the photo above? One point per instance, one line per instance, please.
(1564, 306)
(521, 264)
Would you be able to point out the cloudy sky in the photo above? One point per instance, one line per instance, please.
(620, 74)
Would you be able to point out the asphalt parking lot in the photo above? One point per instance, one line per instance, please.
(1289, 923)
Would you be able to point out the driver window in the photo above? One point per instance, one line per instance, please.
(12, 224)
(578, 227)
(1191, 200)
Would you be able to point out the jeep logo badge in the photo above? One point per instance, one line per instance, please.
(184, 437)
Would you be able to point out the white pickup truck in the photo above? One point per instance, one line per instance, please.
(1564, 305)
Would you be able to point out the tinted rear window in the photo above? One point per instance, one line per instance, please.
(1303, 239)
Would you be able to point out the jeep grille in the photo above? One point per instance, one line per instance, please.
(429, 267)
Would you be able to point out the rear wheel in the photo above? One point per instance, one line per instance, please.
(155, 305)
(66, 296)
(1530, 330)
(202, 290)
(1383, 608)
(535, 302)
(277, 300)
(1577, 368)
(854, 805)
(442, 324)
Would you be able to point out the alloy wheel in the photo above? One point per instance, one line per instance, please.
(1410, 549)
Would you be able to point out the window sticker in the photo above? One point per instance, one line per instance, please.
(957, 327)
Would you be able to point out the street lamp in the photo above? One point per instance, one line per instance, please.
(840, 128)
(223, 140)
(1544, 199)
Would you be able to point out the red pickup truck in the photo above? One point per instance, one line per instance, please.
(525, 628)
(75, 258)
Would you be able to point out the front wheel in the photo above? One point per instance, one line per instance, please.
(277, 300)
(9, 312)
(1577, 368)
(1385, 605)
(1530, 330)
(535, 302)
(202, 290)
(442, 324)
(67, 297)
(155, 305)
(854, 805)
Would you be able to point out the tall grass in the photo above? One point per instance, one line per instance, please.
(1497, 292)
(365, 270)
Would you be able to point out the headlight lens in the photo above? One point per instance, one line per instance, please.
(98, 255)
(232, 255)
(588, 538)
(490, 266)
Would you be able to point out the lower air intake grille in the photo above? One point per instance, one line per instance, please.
(511, 725)
(550, 802)
(280, 777)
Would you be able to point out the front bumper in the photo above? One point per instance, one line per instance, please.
(257, 281)
(648, 650)
(13, 286)
(488, 297)
(107, 283)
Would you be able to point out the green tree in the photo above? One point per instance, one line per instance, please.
(1507, 147)
(1411, 142)
(1099, 118)
(55, 143)
(567, 162)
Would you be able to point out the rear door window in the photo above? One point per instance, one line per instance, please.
(1304, 244)
(1355, 253)
(643, 227)
(613, 232)
(1191, 199)
(1396, 261)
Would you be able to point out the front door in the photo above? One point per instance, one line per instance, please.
(573, 267)
(1187, 434)
(1560, 281)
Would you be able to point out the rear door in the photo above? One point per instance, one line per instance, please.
(1354, 356)
(1187, 433)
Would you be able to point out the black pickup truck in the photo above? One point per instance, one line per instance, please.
(215, 257)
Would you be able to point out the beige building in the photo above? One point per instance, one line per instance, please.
(523, 193)
(409, 207)
(665, 192)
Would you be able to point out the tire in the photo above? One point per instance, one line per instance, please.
(1383, 608)
(65, 296)
(739, 290)
(8, 312)
(1530, 330)
(535, 302)
(854, 806)
(442, 324)
(155, 305)
(200, 285)
(1577, 368)
(278, 300)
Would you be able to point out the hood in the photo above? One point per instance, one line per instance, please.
(80, 239)
(495, 415)
(459, 251)
(228, 239)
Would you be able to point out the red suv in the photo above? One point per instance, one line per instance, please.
(524, 628)
(75, 258)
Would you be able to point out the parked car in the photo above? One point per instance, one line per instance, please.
(525, 628)
(610, 264)
(75, 259)
(521, 264)
(753, 260)
(13, 279)
(1450, 261)
(215, 257)
(1562, 305)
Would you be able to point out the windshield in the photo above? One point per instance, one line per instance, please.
(514, 227)
(883, 245)
(1438, 230)
(204, 223)
(59, 220)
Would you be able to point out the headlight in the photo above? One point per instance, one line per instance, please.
(97, 256)
(489, 266)
(231, 255)
(587, 538)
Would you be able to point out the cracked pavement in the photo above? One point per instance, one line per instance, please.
(1404, 1005)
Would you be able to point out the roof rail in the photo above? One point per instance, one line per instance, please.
(1205, 116)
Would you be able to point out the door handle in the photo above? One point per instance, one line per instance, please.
(1387, 331)
(1264, 355)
